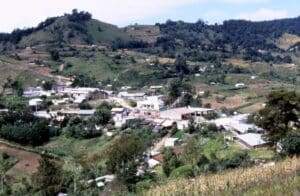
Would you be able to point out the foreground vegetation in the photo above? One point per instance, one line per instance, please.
(238, 181)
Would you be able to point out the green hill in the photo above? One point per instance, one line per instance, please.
(75, 28)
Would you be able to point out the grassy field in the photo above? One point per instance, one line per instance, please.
(104, 32)
(77, 148)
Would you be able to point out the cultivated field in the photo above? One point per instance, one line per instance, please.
(27, 163)
(232, 182)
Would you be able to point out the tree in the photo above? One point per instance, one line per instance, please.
(170, 161)
(85, 106)
(192, 128)
(47, 85)
(176, 87)
(54, 55)
(186, 171)
(24, 128)
(82, 128)
(181, 66)
(198, 101)
(75, 170)
(15, 85)
(84, 80)
(14, 103)
(192, 151)
(280, 116)
(209, 130)
(122, 156)
(187, 100)
(291, 143)
(48, 180)
(103, 114)
(4, 166)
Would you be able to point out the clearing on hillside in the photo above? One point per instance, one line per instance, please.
(27, 164)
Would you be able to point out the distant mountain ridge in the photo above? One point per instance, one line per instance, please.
(197, 41)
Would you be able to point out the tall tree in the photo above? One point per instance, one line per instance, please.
(281, 115)
(48, 180)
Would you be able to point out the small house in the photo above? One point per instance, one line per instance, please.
(240, 85)
(151, 103)
(251, 140)
(170, 142)
(185, 113)
(131, 96)
(35, 102)
(152, 163)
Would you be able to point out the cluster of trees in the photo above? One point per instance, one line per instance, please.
(133, 44)
(199, 40)
(82, 128)
(79, 16)
(15, 85)
(22, 127)
(84, 80)
(16, 35)
(90, 127)
(176, 87)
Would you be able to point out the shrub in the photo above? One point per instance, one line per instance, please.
(240, 159)
(132, 103)
(24, 128)
(291, 144)
(170, 161)
(185, 171)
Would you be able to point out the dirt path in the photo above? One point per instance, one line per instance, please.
(160, 144)
(27, 164)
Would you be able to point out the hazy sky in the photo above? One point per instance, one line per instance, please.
(28, 13)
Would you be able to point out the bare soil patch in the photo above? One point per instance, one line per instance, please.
(27, 164)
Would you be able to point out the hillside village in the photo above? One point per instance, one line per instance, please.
(102, 110)
(147, 106)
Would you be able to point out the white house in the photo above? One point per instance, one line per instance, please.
(237, 123)
(131, 96)
(170, 142)
(80, 98)
(76, 91)
(32, 92)
(44, 114)
(78, 112)
(117, 110)
(152, 163)
(240, 85)
(151, 103)
(35, 102)
(126, 87)
(60, 101)
(184, 113)
(3, 110)
(182, 124)
(251, 140)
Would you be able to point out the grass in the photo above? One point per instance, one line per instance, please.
(179, 134)
(103, 32)
(262, 153)
(101, 67)
(77, 148)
